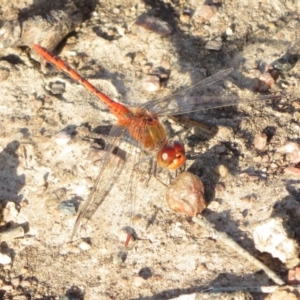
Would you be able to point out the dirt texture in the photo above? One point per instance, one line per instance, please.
(53, 132)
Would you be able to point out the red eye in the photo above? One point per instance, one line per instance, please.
(171, 157)
(166, 156)
(179, 148)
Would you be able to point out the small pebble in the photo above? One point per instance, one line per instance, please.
(260, 141)
(229, 31)
(293, 151)
(116, 10)
(270, 236)
(26, 283)
(224, 132)
(138, 281)
(214, 205)
(186, 194)
(57, 88)
(155, 25)
(4, 74)
(267, 79)
(94, 14)
(222, 171)
(184, 18)
(138, 56)
(5, 259)
(294, 276)
(205, 13)
(289, 148)
(151, 84)
(15, 282)
(296, 104)
(37, 104)
(62, 138)
(84, 246)
(214, 45)
(68, 248)
(67, 208)
(257, 159)
(220, 149)
(117, 260)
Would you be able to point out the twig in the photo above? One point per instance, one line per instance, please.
(223, 237)
(251, 289)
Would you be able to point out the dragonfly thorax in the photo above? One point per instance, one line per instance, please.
(146, 129)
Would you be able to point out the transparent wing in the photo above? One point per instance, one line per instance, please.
(165, 104)
(191, 99)
(110, 169)
(205, 102)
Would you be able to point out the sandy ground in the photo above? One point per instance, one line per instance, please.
(52, 129)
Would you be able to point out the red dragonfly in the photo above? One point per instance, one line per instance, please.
(143, 125)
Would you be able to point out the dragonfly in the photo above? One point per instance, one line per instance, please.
(143, 124)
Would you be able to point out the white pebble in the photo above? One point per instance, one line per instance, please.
(84, 246)
(229, 31)
(4, 259)
(62, 138)
(270, 236)
(151, 84)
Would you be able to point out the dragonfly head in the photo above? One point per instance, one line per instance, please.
(171, 156)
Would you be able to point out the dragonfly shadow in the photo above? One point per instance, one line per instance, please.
(288, 209)
(187, 45)
(223, 223)
(11, 183)
(206, 165)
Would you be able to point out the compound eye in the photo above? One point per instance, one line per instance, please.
(179, 148)
(171, 157)
(166, 156)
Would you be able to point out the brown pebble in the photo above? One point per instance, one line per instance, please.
(260, 141)
(292, 171)
(294, 276)
(4, 74)
(205, 13)
(155, 25)
(267, 79)
(186, 194)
